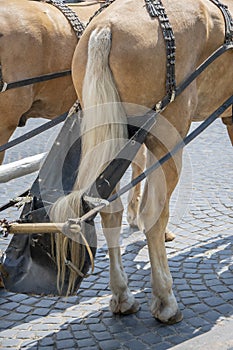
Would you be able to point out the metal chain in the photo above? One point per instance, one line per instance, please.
(228, 20)
(156, 9)
(72, 17)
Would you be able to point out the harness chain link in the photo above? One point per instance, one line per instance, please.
(228, 31)
(228, 21)
(156, 9)
(72, 17)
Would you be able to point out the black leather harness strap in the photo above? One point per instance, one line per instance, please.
(29, 81)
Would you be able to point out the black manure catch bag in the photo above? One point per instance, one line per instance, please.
(28, 265)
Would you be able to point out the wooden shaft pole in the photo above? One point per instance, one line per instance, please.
(16, 228)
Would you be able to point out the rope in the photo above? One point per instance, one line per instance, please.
(70, 264)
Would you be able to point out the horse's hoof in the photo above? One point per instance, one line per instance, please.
(133, 309)
(174, 319)
(169, 236)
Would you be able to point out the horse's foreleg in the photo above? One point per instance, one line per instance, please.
(122, 300)
(5, 134)
(228, 121)
(154, 212)
(230, 133)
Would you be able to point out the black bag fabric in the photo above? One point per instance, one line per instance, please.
(27, 264)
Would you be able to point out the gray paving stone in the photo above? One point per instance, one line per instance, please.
(228, 296)
(10, 306)
(15, 317)
(6, 324)
(92, 321)
(151, 339)
(197, 322)
(19, 297)
(23, 309)
(163, 346)
(214, 301)
(4, 313)
(86, 343)
(45, 303)
(200, 308)
(97, 327)
(212, 315)
(46, 342)
(135, 345)
(81, 334)
(109, 345)
(10, 343)
(124, 336)
(225, 309)
(30, 301)
(100, 336)
(63, 334)
(66, 344)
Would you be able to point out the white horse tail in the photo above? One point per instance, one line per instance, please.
(104, 131)
(104, 127)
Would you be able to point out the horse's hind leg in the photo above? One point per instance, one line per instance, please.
(122, 300)
(135, 194)
(154, 214)
(134, 197)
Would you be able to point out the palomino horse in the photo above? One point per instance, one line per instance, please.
(35, 39)
(40, 40)
(119, 63)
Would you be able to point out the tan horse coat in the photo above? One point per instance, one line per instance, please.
(36, 39)
(136, 50)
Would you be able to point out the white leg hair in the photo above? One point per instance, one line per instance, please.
(122, 300)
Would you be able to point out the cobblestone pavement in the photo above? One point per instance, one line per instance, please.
(200, 260)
